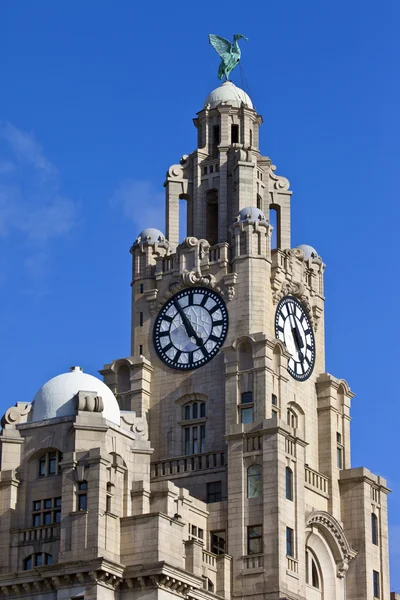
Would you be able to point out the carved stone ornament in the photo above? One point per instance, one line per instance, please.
(329, 525)
(177, 171)
(89, 402)
(280, 184)
(298, 289)
(138, 425)
(16, 414)
(200, 250)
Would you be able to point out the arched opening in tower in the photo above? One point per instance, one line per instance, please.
(212, 217)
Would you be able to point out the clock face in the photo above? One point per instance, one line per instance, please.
(190, 328)
(293, 328)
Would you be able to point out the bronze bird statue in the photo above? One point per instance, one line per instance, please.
(229, 53)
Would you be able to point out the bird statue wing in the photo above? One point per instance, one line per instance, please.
(222, 46)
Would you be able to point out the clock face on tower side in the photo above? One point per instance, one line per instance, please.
(190, 328)
(293, 328)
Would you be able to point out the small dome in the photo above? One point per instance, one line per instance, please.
(151, 235)
(228, 93)
(251, 213)
(56, 397)
(309, 251)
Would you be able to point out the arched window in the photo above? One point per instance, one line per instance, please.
(313, 574)
(194, 427)
(289, 483)
(292, 418)
(374, 528)
(275, 221)
(39, 559)
(49, 463)
(254, 481)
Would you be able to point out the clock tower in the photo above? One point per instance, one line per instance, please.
(227, 367)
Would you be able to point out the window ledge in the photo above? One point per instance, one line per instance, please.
(111, 514)
(79, 512)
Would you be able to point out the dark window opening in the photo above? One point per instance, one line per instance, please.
(216, 140)
(289, 541)
(82, 495)
(141, 349)
(218, 542)
(259, 200)
(205, 170)
(141, 288)
(141, 319)
(254, 539)
(37, 560)
(234, 134)
(374, 527)
(376, 584)
(274, 220)
(211, 168)
(251, 138)
(289, 483)
(212, 217)
(214, 491)
(314, 575)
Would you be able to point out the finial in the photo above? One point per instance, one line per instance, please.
(229, 53)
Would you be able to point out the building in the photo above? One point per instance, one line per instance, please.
(215, 460)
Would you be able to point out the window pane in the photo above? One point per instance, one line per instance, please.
(214, 491)
(374, 526)
(218, 542)
(187, 441)
(246, 415)
(36, 521)
(339, 458)
(195, 440)
(274, 400)
(202, 409)
(48, 559)
(57, 516)
(195, 410)
(38, 560)
(47, 518)
(47, 503)
(83, 485)
(254, 539)
(289, 483)
(52, 464)
(202, 438)
(28, 563)
(82, 502)
(42, 467)
(57, 502)
(254, 481)
(376, 584)
(187, 413)
(247, 397)
(289, 542)
(314, 575)
(37, 505)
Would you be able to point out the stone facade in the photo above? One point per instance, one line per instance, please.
(186, 496)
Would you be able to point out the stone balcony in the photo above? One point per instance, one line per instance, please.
(187, 464)
(316, 482)
(46, 533)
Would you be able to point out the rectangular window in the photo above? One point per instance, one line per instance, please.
(289, 541)
(141, 319)
(52, 463)
(195, 440)
(47, 518)
(195, 410)
(246, 415)
(36, 520)
(187, 441)
(214, 491)
(44, 512)
(187, 413)
(141, 288)
(211, 168)
(247, 397)
(57, 516)
(42, 467)
(374, 528)
(376, 584)
(274, 400)
(254, 539)
(202, 410)
(234, 134)
(82, 502)
(37, 505)
(215, 141)
(82, 495)
(202, 438)
(47, 503)
(205, 171)
(218, 542)
(140, 349)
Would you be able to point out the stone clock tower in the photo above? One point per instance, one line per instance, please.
(214, 461)
(228, 368)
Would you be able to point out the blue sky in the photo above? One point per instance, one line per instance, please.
(97, 101)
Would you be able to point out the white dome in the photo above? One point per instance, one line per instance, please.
(309, 251)
(251, 213)
(56, 397)
(151, 235)
(228, 93)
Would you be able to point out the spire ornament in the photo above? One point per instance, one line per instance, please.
(229, 53)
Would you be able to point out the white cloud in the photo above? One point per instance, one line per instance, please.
(142, 202)
(31, 202)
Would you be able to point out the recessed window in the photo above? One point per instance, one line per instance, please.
(376, 584)
(275, 410)
(289, 483)
(37, 560)
(254, 481)
(194, 436)
(109, 496)
(254, 539)
(291, 418)
(218, 542)
(141, 319)
(214, 491)
(211, 168)
(205, 170)
(246, 408)
(251, 138)
(215, 141)
(141, 349)
(49, 463)
(81, 495)
(374, 528)
(141, 288)
(289, 542)
(46, 512)
(314, 574)
(234, 134)
(339, 451)
(196, 533)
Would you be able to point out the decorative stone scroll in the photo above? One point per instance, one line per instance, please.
(16, 414)
(138, 425)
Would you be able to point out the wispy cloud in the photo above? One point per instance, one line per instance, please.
(31, 201)
(142, 202)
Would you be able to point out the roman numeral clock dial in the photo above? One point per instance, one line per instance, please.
(293, 328)
(190, 328)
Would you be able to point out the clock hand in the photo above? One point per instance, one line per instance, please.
(187, 324)
(296, 336)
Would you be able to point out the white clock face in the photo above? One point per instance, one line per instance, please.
(293, 328)
(190, 328)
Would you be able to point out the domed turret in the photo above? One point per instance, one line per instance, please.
(151, 235)
(251, 213)
(309, 251)
(56, 397)
(228, 93)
